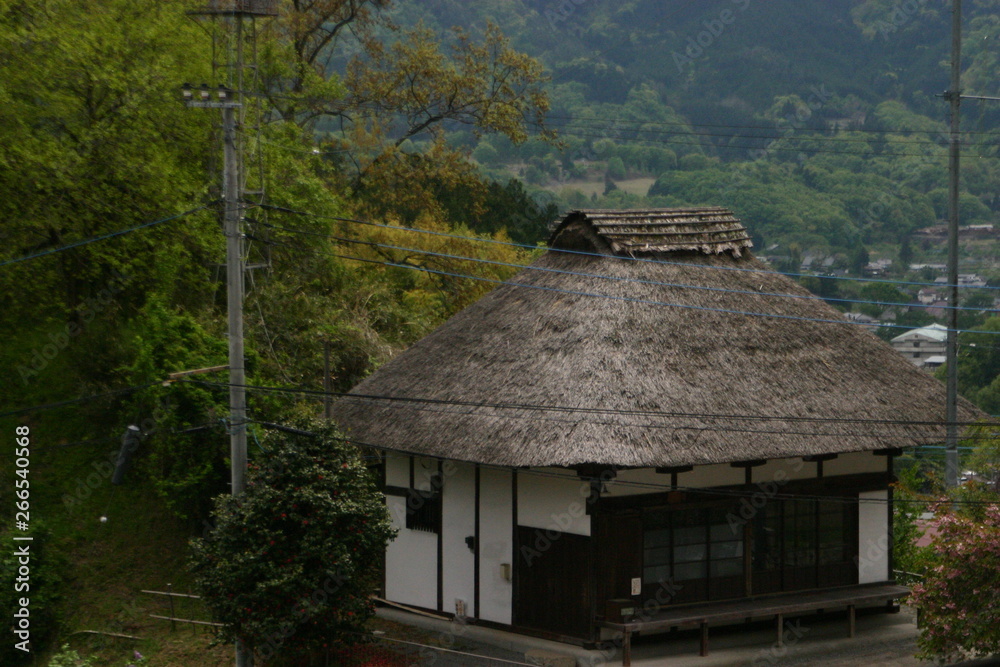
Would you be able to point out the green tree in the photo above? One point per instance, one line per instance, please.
(93, 140)
(288, 565)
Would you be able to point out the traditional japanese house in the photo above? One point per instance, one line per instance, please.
(645, 428)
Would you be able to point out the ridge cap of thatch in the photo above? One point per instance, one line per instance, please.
(708, 230)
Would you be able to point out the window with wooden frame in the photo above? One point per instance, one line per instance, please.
(423, 507)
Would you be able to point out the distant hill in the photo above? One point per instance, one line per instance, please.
(819, 122)
(724, 60)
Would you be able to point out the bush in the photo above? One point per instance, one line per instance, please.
(957, 596)
(289, 565)
(67, 657)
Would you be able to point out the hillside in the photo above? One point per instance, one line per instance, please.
(818, 122)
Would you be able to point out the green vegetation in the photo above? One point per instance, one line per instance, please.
(288, 564)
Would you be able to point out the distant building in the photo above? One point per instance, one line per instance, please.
(860, 318)
(924, 347)
(928, 296)
(877, 268)
(964, 280)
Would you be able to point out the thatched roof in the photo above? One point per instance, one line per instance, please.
(708, 230)
(653, 373)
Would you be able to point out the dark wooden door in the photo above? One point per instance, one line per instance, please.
(551, 583)
(618, 548)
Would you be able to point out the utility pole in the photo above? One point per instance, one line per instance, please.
(232, 218)
(954, 97)
(234, 284)
(229, 32)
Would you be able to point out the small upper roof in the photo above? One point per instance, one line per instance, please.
(709, 230)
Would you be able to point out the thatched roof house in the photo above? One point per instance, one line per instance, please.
(645, 415)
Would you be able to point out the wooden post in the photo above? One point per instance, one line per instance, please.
(627, 649)
(851, 617)
(173, 623)
(704, 639)
(781, 630)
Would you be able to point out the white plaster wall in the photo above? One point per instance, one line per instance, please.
(647, 480)
(410, 561)
(853, 463)
(873, 537)
(397, 470)
(495, 548)
(551, 499)
(458, 522)
(784, 470)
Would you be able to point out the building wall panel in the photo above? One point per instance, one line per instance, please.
(873, 537)
(553, 500)
(458, 523)
(412, 551)
(496, 545)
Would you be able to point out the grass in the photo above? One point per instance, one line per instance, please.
(106, 565)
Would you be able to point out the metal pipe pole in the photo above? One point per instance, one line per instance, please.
(951, 350)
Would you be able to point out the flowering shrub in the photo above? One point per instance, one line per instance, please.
(292, 562)
(957, 597)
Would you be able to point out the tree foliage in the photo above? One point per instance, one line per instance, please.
(289, 564)
(956, 597)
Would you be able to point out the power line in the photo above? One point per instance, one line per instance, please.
(808, 297)
(532, 407)
(801, 133)
(770, 147)
(584, 253)
(75, 401)
(628, 299)
(105, 236)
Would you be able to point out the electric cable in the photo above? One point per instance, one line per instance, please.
(584, 253)
(103, 237)
(638, 281)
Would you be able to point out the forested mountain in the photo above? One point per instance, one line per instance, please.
(820, 123)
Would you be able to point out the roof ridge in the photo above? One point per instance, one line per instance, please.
(711, 230)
